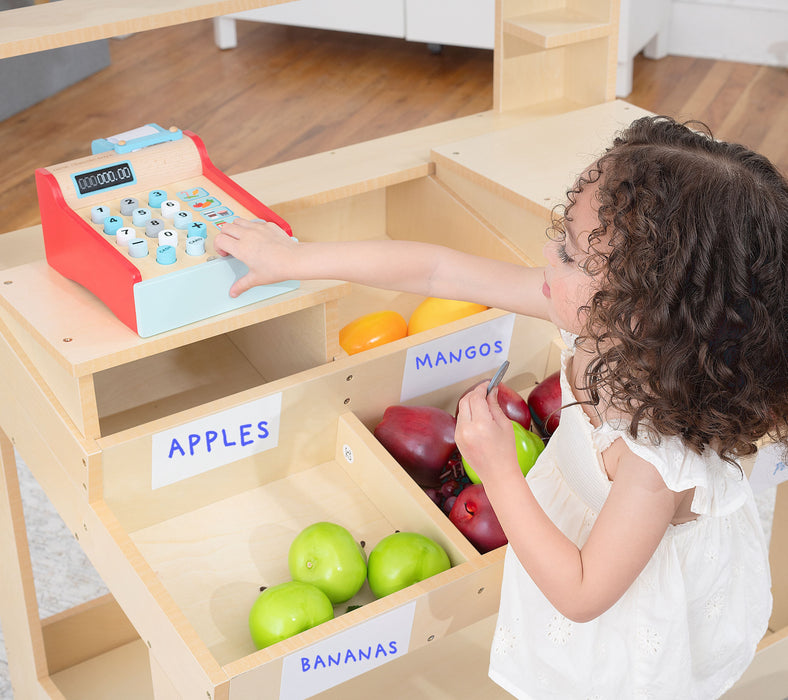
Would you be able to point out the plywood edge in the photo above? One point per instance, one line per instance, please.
(52, 25)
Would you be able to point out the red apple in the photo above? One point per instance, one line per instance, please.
(475, 518)
(512, 404)
(420, 438)
(545, 403)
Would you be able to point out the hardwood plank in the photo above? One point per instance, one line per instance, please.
(286, 92)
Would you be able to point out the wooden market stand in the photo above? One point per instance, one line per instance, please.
(82, 396)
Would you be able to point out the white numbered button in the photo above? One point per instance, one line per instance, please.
(168, 237)
(169, 208)
(98, 214)
(124, 234)
(138, 247)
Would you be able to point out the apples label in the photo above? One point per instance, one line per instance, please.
(769, 468)
(215, 440)
(347, 654)
(456, 357)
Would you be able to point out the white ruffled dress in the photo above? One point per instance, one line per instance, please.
(688, 626)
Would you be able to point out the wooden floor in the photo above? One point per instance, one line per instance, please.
(287, 92)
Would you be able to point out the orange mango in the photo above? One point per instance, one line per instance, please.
(434, 312)
(371, 330)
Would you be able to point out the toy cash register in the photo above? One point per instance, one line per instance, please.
(135, 221)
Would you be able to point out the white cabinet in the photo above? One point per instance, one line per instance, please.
(460, 23)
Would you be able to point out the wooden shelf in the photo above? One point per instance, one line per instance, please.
(556, 28)
(51, 25)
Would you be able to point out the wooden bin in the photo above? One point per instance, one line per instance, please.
(185, 561)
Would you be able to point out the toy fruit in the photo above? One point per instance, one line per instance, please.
(475, 518)
(328, 556)
(287, 609)
(434, 312)
(371, 330)
(529, 447)
(420, 438)
(512, 404)
(545, 403)
(402, 559)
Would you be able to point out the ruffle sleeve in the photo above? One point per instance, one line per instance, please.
(720, 488)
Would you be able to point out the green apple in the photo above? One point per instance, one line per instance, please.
(529, 447)
(402, 559)
(328, 556)
(287, 609)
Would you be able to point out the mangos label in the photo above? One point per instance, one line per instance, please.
(215, 440)
(356, 650)
(456, 357)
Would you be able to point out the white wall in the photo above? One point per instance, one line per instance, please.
(748, 31)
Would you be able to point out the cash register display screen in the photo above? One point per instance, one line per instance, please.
(105, 178)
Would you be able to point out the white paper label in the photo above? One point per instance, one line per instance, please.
(769, 468)
(215, 440)
(453, 358)
(347, 654)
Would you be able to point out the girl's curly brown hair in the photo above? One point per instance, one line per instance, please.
(688, 318)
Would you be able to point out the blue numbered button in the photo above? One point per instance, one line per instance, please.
(156, 197)
(128, 205)
(141, 216)
(182, 219)
(154, 227)
(195, 245)
(112, 224)
(98, 214)
(197, 228)
(138, 247)
(165, 255)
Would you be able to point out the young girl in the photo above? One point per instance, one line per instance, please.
(636, 564)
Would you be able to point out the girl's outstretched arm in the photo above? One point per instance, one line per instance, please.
(405, 266)
(581, 583)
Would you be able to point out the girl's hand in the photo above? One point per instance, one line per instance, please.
(485, 436)
(265, 248)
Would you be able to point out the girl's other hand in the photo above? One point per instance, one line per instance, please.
(264, 247)
(485, 436)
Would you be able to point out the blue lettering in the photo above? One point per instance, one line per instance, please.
(224, 437)
(194, 440)
(498, 346)
(392, 647)
(421, 362)
(470, 352)
(210, 438)
(441, 358)
(349, 656)
(455, 358)
(780, 466)
(245, 434)
(380, 650)
(319, 661)
(175, 446)
(484, 349)
(335, 662)
(262, 426)
(362, 655)
(304, 664)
